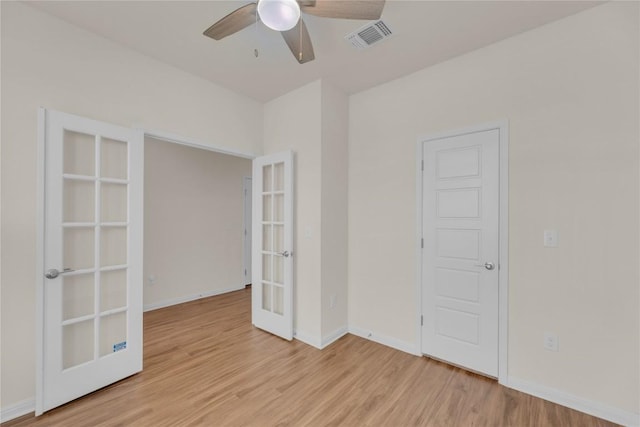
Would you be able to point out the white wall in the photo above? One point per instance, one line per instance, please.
(193, 222)
(313, 122)
(46, 62)
(292, 121)
(570, 91)
(334, 154)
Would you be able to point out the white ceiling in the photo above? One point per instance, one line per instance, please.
(425, 33)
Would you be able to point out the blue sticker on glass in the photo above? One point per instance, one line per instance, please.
(119, 346)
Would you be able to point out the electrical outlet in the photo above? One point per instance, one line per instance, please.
(551, 341)
(151, 280)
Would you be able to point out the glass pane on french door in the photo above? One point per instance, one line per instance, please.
(273, 238)
(95, 232)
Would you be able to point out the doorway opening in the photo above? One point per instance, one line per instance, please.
(196, 222)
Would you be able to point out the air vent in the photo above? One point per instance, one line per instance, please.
(369, 35)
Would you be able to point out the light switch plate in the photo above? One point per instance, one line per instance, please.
(551, 341)
(551, 238)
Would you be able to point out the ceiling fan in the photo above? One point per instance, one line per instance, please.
(284, 16)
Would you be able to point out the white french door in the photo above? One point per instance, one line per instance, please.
(92, 289)
(460, 282)
(272, 281)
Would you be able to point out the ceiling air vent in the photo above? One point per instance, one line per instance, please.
(368, 35)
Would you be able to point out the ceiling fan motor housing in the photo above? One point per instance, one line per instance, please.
(279, 15)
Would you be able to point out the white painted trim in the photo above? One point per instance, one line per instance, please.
(247, 185)
(307, 338)
(385, 340)
(181, 140)
(503, 259)
(187, 298)
(38, 403)
(503, 275)
(17, 410)
(334, 336)
(597, 409)
(419, 237)
(357, 331)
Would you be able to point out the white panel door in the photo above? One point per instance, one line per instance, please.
(460, 257)
(92, 289)
(272, 261)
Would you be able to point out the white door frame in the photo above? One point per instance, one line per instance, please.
(503, 259)
(40, 217)
(189, 142)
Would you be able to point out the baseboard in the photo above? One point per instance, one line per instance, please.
(308, 339)
(320, 343)
(17, 410)
(187, 298)
(334, 336)
(384, 340)
(597, 409)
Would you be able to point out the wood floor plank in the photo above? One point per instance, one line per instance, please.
(206, 365)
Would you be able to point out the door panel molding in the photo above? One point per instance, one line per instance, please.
(503, 260)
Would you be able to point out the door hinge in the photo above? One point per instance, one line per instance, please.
(422, 165)
(422, 243)
(245, 271)
(245, 231)
(421, 320)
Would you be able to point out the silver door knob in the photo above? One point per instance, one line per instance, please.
(284, 254)
(53, 272)
(487, 265)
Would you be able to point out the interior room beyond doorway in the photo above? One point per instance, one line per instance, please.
(193, 222)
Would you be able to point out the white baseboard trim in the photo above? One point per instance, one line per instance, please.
(597, 409)
(320, 343)
(384, 340)
(334, 336)
(187, 298)
(308, 339)
(17, 410)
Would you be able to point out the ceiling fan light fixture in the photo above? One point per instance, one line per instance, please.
(279, 15)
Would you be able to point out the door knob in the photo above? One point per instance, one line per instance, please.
(284, 254)
(487, 265)
(53, 272)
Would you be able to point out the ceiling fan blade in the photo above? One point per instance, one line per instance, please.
(299, 42)
(233, 22)
(343, 9)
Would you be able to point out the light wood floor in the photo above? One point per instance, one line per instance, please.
(206, 365)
